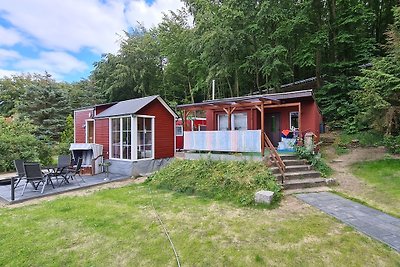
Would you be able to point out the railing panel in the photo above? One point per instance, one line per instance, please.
(224, 141)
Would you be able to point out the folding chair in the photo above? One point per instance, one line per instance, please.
(19, 167)
(72, 172)
(34, 176)
(63, 163)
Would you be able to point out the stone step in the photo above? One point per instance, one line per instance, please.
(303, 183)
(292, 162)
(300, 175)
(294, 168)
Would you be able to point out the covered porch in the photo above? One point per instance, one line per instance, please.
(244, 124)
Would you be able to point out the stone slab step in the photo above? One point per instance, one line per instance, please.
(307, 190)
(294, 168)
(292, 162)
(303, 183)
(300, 175)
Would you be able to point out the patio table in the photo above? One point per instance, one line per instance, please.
(55, 171)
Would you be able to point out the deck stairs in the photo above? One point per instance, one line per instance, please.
(298, 174)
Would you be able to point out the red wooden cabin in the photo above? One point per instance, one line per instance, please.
(243, 124)
(137, 135)
(194, 124)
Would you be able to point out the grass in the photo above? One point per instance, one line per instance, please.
(118, 227)
(364, 139)
(383, 176)
(235, 181)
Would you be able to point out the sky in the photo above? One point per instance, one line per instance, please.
(65, 37)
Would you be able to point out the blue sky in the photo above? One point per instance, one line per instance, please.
(65, 37)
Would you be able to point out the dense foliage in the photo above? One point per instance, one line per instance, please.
(315, 160)
(17, 141)
(224, 180)
(43, 101)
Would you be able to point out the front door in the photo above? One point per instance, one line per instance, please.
(273, 127)
(89, 131)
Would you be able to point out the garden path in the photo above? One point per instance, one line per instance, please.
(374, 223)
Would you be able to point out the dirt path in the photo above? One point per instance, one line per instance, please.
(353, 186)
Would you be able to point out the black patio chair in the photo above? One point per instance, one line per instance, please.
(73, 172)
(63, 163)
(35, 176)
(19, 167)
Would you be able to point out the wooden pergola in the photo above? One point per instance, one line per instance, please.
(229, 105)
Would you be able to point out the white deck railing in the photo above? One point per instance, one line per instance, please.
(227, 141)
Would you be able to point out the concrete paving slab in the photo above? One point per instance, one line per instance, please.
(372, 222)
(76, 184)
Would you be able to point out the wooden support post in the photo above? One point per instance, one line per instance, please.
(300, 128)
(229, 119)
(262, 129)
(229, 111)
(184, 120)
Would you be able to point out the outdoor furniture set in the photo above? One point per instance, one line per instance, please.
(33, 174)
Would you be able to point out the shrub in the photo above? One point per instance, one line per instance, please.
(315, 160)
(222, 180)
(392, 143)
(18, 142)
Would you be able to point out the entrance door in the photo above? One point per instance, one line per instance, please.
(273, 127)
(89, 131)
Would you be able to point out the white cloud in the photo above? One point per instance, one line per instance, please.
(9, 37)
(150, 16)
(8, 73)
(54, 29)
(6, 55)
(52, 62)
(68, 25)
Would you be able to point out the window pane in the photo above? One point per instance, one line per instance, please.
(179, 130)
(148, 123)
(140, 123)
(148, 137)
(223, 122)
(294, 120)
(145, 138)
(240, 121)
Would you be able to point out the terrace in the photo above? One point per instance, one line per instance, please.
(90, 180)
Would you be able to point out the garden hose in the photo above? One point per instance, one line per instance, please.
(164, 228)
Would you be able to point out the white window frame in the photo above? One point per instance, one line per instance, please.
(181, 127)
(290, 118)
(153, 130)
(232, 121)
(120, 137)
(86, 131)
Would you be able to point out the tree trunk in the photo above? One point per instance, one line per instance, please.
(237, 83)
(190, 90)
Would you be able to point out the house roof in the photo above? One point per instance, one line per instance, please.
(253, 98)
(132, 106)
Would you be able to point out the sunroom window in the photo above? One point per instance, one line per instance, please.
(121, 145)
(145, 137)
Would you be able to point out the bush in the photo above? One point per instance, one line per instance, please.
(315, 160)
(18, 142)
(222, 180)
(392, 143)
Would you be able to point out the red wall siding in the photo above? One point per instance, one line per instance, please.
(80, 117)
(164, 129)
(101, 135)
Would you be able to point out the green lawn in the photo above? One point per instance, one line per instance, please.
(384, 177)
(118, 227)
